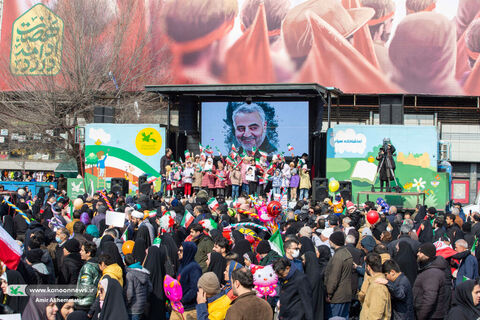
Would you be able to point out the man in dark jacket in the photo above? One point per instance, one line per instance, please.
(295, 291)
(72, 262)
(400, 291)
(453, 230)
(404, 236)
(61, 237)
(88, 276)
(247, 306)
(265, 252)
(468, 268)
(164, 161)
(338, 278)
(204, 245)
(431, 290)
(358, 257)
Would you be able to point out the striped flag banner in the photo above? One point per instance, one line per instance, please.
(10, 251)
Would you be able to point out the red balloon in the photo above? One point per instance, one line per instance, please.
(274, 208)
(372, 216)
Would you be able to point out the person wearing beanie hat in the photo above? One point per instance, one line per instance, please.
(337, 239)
(72, 262)
(209, 283)
(368, 243)
(338, 278)
(433, 285)
(351, 208)
(267, 255)
(427, 251)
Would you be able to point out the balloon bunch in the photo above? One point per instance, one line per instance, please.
(382, 203)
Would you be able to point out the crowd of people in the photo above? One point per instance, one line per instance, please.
(200, 257)
(228, 177)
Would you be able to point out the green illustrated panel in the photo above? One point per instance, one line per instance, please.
(352, 153)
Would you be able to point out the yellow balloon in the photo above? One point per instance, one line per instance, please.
(333, 185)
(371, 159)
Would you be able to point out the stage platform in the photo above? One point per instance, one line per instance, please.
(384, 194)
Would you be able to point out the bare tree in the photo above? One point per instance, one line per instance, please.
(105, 58)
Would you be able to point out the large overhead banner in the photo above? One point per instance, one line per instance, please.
(359, 46)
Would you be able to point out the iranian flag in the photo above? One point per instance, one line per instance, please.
(213, 204)
(234, 149)
(187, 219)
(201, 148)
(276, 243)
(151, 179)
(230, 161)
(263, 154)
(187, 155)
(10, 251)
(289, 147)
(125, 235)
(209, 224)
(258, 164)
(209, 150)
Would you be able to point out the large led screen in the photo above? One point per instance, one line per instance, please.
(271, 127)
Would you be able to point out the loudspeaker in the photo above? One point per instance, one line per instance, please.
(142, 179)
(119, 186)
(103, 114)
(320, 189)
(188, 114)
(391, 108)
(345, 190)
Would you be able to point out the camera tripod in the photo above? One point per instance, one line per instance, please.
(390, 173)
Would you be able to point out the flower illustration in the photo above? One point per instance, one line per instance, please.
(419, 184)
(435, 183)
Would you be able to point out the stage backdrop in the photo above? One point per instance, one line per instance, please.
(352, 152)
(122, 151)
(286, 125)
(425, 48)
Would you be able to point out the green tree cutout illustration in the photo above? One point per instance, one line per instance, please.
(92, 160)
